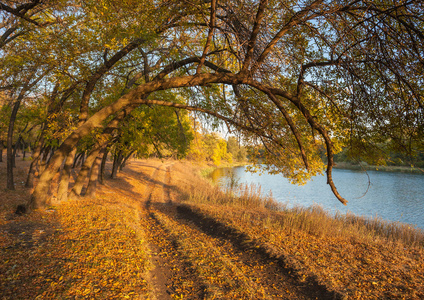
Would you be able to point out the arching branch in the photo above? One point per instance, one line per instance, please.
(21, 10)
(292, 127)
(314, 124)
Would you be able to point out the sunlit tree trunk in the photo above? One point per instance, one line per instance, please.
(40, 195)
(84, 172)
(62, 191)
(83, 116)
(94, 178)
(100, 147)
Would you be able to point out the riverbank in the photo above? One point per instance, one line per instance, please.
(207, 168)
(160, 231)
(366, 167)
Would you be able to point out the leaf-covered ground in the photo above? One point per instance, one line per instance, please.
(137, 240)
(84, 249)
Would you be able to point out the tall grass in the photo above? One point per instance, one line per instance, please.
(312, 220)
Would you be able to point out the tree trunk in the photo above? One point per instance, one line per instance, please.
(94, 177)
(102, 167)
(40, 195)
(62, 190)
(10, 157)
(82, 159)
(116, 162)
(77, 157)
(124, 161)
(15, 150)
(50, 154)
(1, 150)
(23, 149)
(87, 164)
(35, 160)
(43, 163)
(38, 147)
(84, 172)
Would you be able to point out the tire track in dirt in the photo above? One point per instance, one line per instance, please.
(170, 276)
(166, 185)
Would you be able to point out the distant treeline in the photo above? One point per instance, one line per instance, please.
(391, 159)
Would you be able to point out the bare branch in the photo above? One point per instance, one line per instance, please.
(210, 34)
(296, 19)
(253, 36)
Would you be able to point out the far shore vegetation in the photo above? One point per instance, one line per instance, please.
(366, 167)
(394, 162)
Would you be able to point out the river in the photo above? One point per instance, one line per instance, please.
(391, 196)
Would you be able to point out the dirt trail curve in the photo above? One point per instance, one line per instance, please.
(195, 257)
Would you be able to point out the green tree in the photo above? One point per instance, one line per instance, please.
(215, 149)
(238, 152)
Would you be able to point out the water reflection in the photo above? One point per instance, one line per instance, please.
(219, 175)
(391, 196)
(226, 177)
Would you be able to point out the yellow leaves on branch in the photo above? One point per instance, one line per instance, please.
(60, 125)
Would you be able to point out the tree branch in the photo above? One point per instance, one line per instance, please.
(296, 19)
(314, 124)
(255, 31)
(21, 10)
(210, 34)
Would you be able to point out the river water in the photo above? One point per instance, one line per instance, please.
(391, 196)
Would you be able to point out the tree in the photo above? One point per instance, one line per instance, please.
(292, 76)
(238, 152)
(215, 148)
(18, 18)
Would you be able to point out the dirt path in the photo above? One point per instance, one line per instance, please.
(195, 257)
(169, 272)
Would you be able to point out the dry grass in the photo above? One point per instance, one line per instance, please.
(359, 257)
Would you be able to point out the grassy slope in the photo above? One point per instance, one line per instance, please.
(359, 258)
(107, 247)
